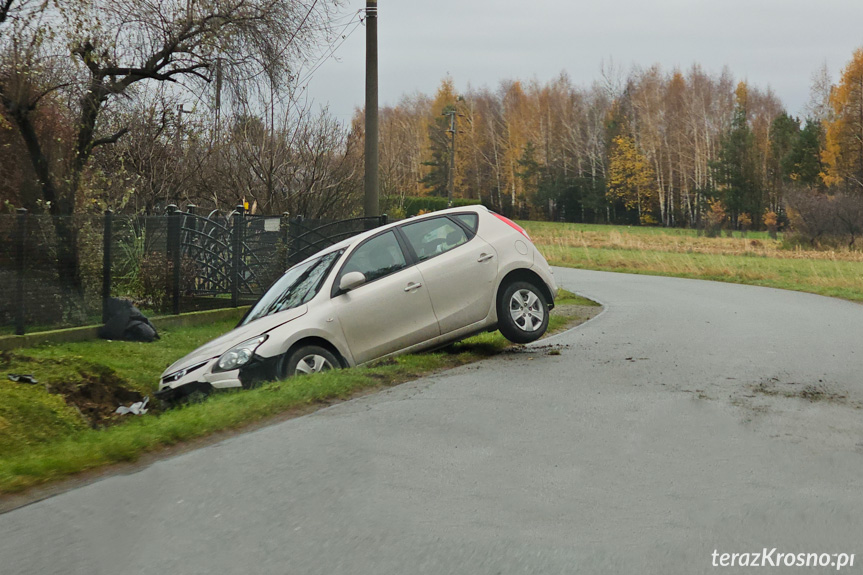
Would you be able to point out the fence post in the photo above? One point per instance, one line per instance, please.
(236, 255)
(285, 225)
(174, 216)
(20, 247)
(191, 223)
(107, 236)
(383, 220)
(294, 231)
(371, 222)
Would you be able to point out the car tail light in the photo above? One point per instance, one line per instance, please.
(511, 224)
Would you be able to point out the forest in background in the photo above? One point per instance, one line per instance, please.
(652, 147)
(134, 105)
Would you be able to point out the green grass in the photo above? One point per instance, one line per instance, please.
(45, 440)
(30, 416)
(534, 227)
(681, 253)
(140, 364)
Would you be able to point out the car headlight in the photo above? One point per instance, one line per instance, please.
(178, 375)
(239, 355)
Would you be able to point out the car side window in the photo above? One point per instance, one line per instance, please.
(378, 257)
(434, 236)
(470, 220)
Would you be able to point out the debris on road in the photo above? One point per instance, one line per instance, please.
(137, 408)
(96, 394)
(22, 378)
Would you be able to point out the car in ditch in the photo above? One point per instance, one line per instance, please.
(413, 285)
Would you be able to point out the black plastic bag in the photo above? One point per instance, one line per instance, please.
(126, 322)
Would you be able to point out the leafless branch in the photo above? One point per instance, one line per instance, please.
(112, 139)
(5, 8)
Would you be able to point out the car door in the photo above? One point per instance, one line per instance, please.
(392, 309)
(458, 268)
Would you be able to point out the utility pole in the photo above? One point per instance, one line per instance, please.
(371, 184)
(181, 109)
(450, 184)
(218, 103)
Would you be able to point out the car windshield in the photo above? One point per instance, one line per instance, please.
(296, 287)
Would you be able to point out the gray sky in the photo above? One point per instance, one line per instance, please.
(775, 43)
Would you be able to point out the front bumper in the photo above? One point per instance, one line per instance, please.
(181, 391)
(196, 379)
(207, 381)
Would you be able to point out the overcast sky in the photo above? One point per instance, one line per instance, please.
(775, 43)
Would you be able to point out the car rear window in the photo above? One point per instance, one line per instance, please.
(470, 220)
(434, 236)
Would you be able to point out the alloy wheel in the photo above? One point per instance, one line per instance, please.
(526, 310)
(313, 363)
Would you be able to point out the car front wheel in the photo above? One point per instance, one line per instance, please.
(522, 313)
(305, 360)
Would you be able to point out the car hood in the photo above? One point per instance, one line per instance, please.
(238, 335)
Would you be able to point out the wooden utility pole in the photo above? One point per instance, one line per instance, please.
(450, 184)
(371, 204)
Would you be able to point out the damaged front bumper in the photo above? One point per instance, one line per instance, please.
(171, 394)
(173, 387)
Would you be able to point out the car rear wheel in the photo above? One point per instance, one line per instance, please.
(307, 359)
(522, 312)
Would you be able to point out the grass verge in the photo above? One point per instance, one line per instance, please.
(54, 442)
(754, 260)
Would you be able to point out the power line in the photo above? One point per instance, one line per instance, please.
(326, 27)
(332, 49)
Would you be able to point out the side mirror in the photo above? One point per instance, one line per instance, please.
(351, 280)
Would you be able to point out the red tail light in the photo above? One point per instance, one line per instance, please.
(511, 224)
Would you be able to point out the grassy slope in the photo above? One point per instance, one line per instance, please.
(31, 417)
(57, 444)
(140, 364)
(755, 259)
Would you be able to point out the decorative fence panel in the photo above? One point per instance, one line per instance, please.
(307, 237)
(167, 263)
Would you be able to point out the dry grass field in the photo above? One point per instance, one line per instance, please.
(754, 259)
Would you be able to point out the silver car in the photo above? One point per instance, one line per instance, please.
(414, 285)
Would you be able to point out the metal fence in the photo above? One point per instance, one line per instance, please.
(307, 237)
(174, 262)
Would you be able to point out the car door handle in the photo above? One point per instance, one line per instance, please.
(485, 257)
(413, 286)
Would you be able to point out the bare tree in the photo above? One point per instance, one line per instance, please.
(118, 46)
(5, 8)
(813, 215)
(849, 216)
(818, 106)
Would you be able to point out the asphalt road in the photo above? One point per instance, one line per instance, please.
(688, 417)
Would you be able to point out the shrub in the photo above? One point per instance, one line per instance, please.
(412, 206)
(822, 219)
(771, 222)
(714, 219)
(155, 275)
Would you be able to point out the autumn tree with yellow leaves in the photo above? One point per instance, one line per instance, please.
(843, 150)
(632, 180)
